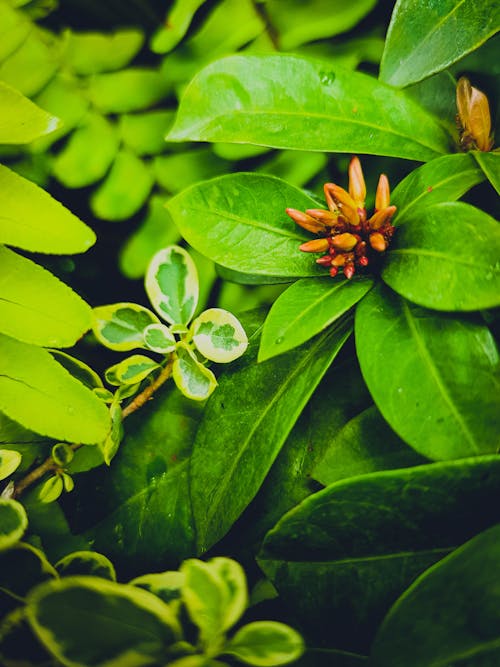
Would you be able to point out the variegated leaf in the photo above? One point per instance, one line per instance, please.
(219, 336)
(192, 378)
(120, 326)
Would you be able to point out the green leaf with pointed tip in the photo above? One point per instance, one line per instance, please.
(51, 489)
(219, 336)
(78, 369)
(291, 102)
(14, 28)
(120, 326)
(86, 562)
(31, 219)
(115, 199)
(452, 267)
(433, 378)
(75, 166)
(239, 221)
(143, 133)
(127, 90)
(109, 446)
(36, 307)
(33, 64)
(424, 38)
(179, 170)
(13, 522)
(94, 52)
(306, 308)
(192, 378)
(131, 370)
(159, 338)
(127, 625)
(266, 643)
(10, 461)
(444, 179)
(450, 614)
(172, 285)
(42, 396)
(176, 25)
(490, 164)
(165, 585)
(21, 121)
(349, 551)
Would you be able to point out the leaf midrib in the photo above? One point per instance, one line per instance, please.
(362, 559)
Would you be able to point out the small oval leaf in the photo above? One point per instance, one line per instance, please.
(51, 489)
(266, 643)
(219, 336)
(13, 522)
(132, 370)
(192, 378)
(159, 338)
(120, 326)
(22, 121)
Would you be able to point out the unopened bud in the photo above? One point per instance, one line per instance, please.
(339, 260)
(474, 115)
(344, 202)
(333, 271)
(363, 261)
(344, 242)
(326, 260)
(383, 195)
(316, 245)
(328, 218)
(349, 271)
(381, 217)
(332, 204)
(357, 187)
(305, 221)
(378, 242)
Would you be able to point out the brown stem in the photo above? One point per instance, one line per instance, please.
(49, 463)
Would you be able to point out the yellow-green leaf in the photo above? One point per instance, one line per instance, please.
(192, 378)
(21, 121)
(219, 336)
(120, 326)
(13, 522)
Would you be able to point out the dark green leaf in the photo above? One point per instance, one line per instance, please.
(434, 378)
(446, 257)
(347, 552)
(450, 615)
(490, 164)
(330, 658)
(291, 102)
(424, 38)
(21, 121)
(239, 221)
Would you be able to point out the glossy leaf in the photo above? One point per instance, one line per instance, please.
(446, 258)
(349, 551)
(306, 308)
(432, 377)
(38, 393)
(423, 37)
(94, 52)
(120, 326)
(22, 567)
(172, 285)
(143, 133)
(13, 522)
(88, 563)
(434, 614)
(231, 456)
(442, 180)
(127, 90)
(192, 378)
(123, 622)
(21, 121)
(115, 199)
(33, 220)
(294, 167)
(490, 164)
(219, 336)
(266, 643)
(290, 102)
(239, 221)
(176, 25)
(159, 338)
(51, 489)
(9, 462)
(131, 370)
(36, 307)
(78, 369)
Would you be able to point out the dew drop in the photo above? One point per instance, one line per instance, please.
(279, 340)
(327, 78)
(70, 410)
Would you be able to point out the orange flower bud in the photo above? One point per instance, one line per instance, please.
(381, 217)
(328, 218)
(383, 195)
(305, 221)
(357, 187)
(332, 205)
(344, 202)
(316, 245)
(474, 115)
(339, 260)
(378, 242)
(344, 242)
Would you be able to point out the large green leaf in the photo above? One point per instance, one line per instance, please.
(234, 448)
(442, 180)
(426, 37)
(292, 102)
(446, 258)
(490, 164)
(31, 219)
(433, 377)
(306, 308)
(343, 556)
(41, 395)
(239, 221)
(21, 121)
(450, 615)
(36, 307)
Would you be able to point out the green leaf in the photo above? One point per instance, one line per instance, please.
(432, 377)
(239, 221)
(13, 522)
(165, 585)
(51, 489)
(266, 643)
(109, 446)
(365, 444)
(219, 336)
(38, 393)
(490, 164)
(236, 599)
(131, 370)
(179, 170)
(21, 121)
(446, 258)
(115, 199)
(193, 379)
(10, 461)
(127, 90)
(159, 338)
(172, 285)
(143, 133)
(77, 166)
(36, 307)
(306, 308)
(231, 457)
(425, 38)
(78, 369)
(94, 52)
(123, 622)
(349, 551)
(62, 454)
(31, 219)
(297, 22)
(120, 326)
(33, 64)
(442, 180)
(450, 614)
(291, 102)
(88, 563)
(176, 25)
(14, 28)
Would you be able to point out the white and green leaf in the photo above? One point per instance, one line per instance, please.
(233, 576)
(192, 378)
(266, 643)
(159, 338)
(88, 563)
(132, 370)
(109, 446)
(219, 336)
(51, 489)
(120, 326)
